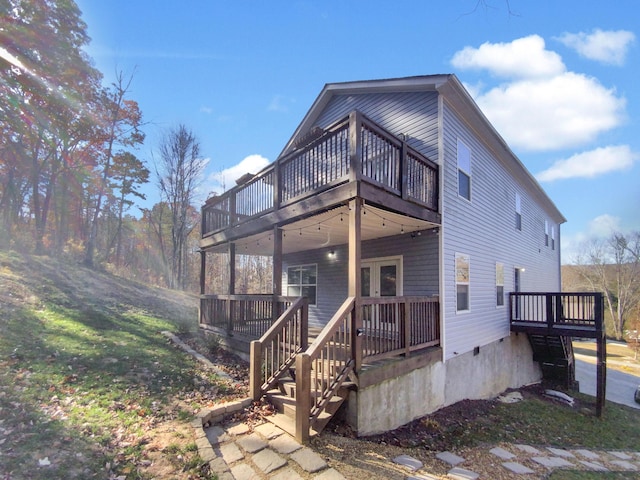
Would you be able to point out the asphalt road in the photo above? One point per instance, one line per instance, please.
(621, 387)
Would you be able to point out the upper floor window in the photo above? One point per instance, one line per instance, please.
(499, 284)
(462, 282)
(302, 281)
(518, 212)
(553, 237)
(464, 170)
(546, 233)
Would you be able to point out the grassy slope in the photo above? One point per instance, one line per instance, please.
(85, 375)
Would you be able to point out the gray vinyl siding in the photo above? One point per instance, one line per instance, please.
(420, 270)
(485, 229)
(412, 113)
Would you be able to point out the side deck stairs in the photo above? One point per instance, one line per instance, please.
(555, 355)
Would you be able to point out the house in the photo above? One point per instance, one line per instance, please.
(402, 228)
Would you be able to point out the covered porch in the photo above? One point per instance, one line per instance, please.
(352, 192)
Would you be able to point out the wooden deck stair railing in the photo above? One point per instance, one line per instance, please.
(275, 352)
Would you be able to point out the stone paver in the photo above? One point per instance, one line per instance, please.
(559, 452)
(216, 435)
(626, 465)
(450, 458)
(329, 474)
(231, 453)
(422, 477)
(594, 466)
(502, 453)
(284, 444)
(461, 474)
(252, 443)
(267, 460)
(587, 454)
(411, 463)
(518, 468)
(269, 430)
(621, 455)
(242, 471)
(308, 460)
(238, 429)
(552, 462)
(528, 449)
(286, 474)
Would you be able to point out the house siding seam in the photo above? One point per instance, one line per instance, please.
(485, 229)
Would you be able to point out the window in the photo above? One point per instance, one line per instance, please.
(499, 284)
(518, 212)
(546, 233)
(553, 237)
(464, 171)
(462, 282)
(302, 282)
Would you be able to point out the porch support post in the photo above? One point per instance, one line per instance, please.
(232, 285)
(277, 272)
(601, 363)
(203, 271)
(203, 282)
(355, 240)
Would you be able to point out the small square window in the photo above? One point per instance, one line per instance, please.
(302, 282)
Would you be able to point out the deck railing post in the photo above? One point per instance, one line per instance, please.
(255, 370)
(406, 307)
(549, 310)
(355, 147)
(404, 169)
(303, 397)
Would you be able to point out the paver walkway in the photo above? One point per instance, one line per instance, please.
(239, 451)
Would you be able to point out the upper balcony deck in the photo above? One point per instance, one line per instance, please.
(352, 158)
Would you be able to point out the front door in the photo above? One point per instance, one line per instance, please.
(381, 277)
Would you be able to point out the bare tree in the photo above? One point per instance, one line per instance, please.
(613, 267)
(179, 174)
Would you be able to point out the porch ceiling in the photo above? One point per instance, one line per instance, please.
(328, 229)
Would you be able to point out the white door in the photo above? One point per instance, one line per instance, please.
(381, 277)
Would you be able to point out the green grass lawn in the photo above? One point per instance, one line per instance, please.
(85, 374)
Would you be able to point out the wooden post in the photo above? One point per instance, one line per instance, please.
(276, 281)
(255, 370)
(404, 169)
(406, 306)
(355, 241)
(232, 286)
(601, 345)
(355, 146)
(303, 397)
(203, 271)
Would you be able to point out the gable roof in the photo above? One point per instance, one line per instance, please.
(456, 97)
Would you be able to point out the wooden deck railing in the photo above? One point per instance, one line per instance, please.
(382, 159)
(394, 326)
(323, 367)
(249, 315)
(276, 350)
(572, 314)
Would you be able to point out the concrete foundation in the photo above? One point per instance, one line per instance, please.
(412, 388)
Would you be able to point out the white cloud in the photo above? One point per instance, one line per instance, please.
(542, 106)
(523, 58)
(226, 178)
(207, 110)
(279, 103)
(608, 47)
(562, 111)
(599, 228)
(590, 164)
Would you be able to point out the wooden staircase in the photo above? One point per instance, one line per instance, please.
(555, 355)
(284, 399)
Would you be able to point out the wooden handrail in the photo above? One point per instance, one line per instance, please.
(331, 360)
(276, 350)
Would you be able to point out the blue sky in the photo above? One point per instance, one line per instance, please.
(558, 79)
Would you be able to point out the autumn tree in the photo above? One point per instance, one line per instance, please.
(47, 92)
(122, 121)
(179, 173)
(612, 266)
